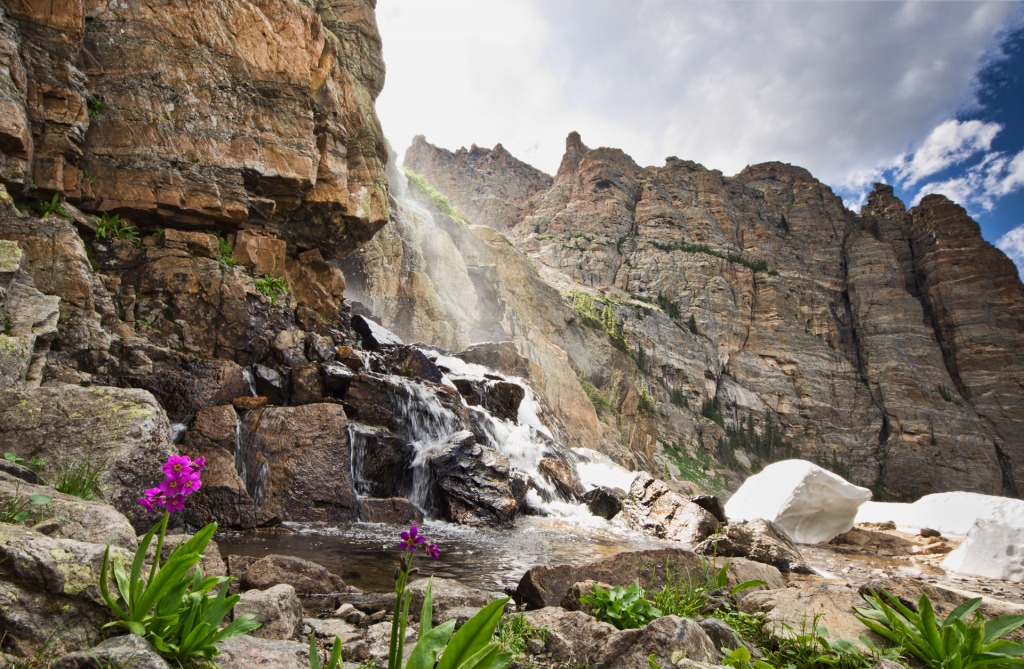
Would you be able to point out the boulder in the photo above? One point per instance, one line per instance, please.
(828, 605)
(809, 503)
(121, 429)
(562, 479)
(603, 502)
(759, 540)
(295, 462)
(261, 253)
(450, 598)
(547, 585)
(70, 517)
(316, 283)
(50, 591)
(306, 577)
(128, 650)
(471, 483)
(271, 383)
(499, 356)
(277, 609)
(406, 361)
(381, 462)
(390, 510)
(248, 651)
(373, 334)
(307, 385)
(666, 638)
(652, 508)
(574, 638)
(712, 505)
(223, 497)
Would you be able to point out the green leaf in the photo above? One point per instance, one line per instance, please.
(427, 611)
(334, 661)
(1001, 626)
(746, 585)
(473, 636)
(424, 653)
(39, 499)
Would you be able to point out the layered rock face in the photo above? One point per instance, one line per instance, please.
(217, 115)
(767, 321)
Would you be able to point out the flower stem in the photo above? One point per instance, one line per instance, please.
(159, 548)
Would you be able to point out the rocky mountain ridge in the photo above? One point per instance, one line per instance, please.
(769, 320)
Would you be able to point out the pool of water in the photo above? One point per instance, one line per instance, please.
(365, 554)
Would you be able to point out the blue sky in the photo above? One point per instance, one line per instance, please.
(924, 95)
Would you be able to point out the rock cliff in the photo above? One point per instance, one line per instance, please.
(765, 320)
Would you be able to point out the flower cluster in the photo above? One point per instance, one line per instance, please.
(181, 480)
(412, 539)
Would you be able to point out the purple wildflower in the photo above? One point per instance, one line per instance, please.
(177, 465)
(181, 480)
(411, 539)
(432, 550)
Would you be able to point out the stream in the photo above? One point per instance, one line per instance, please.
(365, 554)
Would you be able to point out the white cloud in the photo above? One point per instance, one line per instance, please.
(950, 143)
(1012, 244)
(982, 184)
(836, 87)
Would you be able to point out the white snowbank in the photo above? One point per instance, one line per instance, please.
(810, 503)
(951, 513)
(994, 546)
(597, 469)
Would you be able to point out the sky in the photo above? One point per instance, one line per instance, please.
(924, 95)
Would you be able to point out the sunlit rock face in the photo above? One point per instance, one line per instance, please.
(774, 322)
(218, 114)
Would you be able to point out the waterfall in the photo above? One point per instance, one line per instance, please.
(250, 457)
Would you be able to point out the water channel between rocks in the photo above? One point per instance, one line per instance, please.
(365, 554)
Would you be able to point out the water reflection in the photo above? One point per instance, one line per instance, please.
(365, 554)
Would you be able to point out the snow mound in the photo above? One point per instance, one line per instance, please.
(809, 503)
(994, 546)
(951, 513)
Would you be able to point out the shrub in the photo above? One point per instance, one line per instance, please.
(272, 287)
(80, 480)
(18, 509)
(686, 598)
(224, 256)
(953, 641)
(625, 608)
(515, 632)
(96, 105)
(112, 227)
(599, 401)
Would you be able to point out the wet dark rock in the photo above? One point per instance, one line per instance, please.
(563, 477)
(271, 384)
(758, 540)
(183, 385)
(336, 379)
(712, 505)
(408, 362)
(297, 462)
(471, 483)
(381, 462)
(249, 402)
(307, 386)
(374, 335)
(519, 482)
(604, 502)
(390, 510)
(20, 472)
(500, 356)
(929, 532)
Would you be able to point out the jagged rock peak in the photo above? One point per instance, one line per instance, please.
(510, 182)
(775, 171)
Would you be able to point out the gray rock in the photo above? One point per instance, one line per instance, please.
(305, 576)
(667, 638)
(547, 585)
(652, 508)
(246, 652)
(574, 638)
(123, 429)
(50, 591)
(471, 483)
(373, 334)
(759, 540)
(74, 518)
(127, 651)
(449, 596)
(277, 609)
